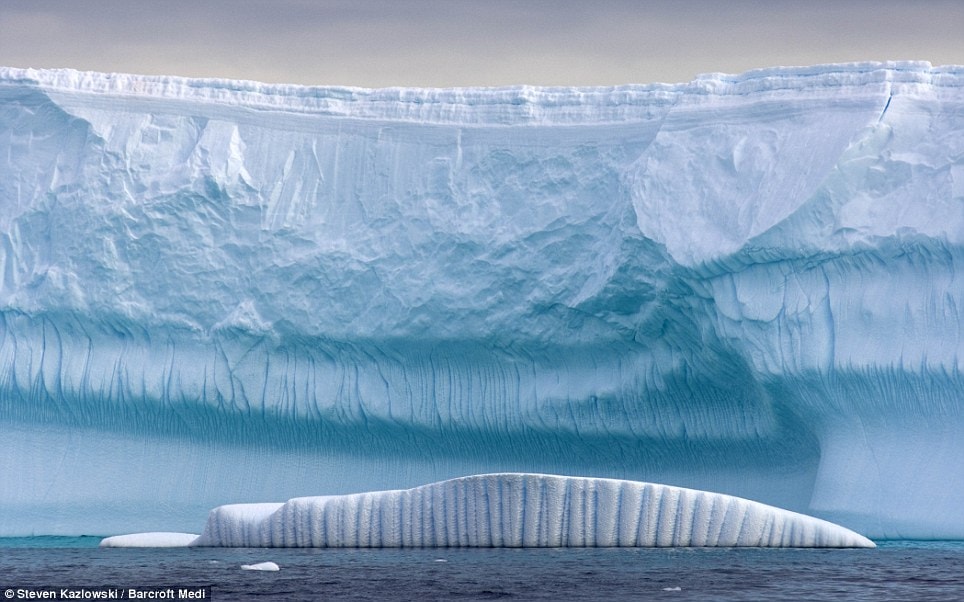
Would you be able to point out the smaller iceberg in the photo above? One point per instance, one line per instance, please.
(521, 510)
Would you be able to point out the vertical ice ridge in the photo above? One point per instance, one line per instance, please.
(531, 510)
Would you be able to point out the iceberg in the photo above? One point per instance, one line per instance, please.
(514, 511)
(216, 291)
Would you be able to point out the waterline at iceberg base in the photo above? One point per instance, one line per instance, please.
(217, 292)
(510, 511)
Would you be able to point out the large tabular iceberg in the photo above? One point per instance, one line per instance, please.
(511, 511)
(218, 291)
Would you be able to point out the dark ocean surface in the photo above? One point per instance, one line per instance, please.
(904, 570)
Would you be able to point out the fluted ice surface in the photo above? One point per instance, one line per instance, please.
(215, 291)
(522, 511)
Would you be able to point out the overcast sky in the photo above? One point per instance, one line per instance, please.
(377, 43)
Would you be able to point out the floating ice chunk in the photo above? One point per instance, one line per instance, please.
(261, 566)
(160, 539)
(522, 510)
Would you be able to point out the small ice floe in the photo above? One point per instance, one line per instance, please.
(149, 540)
(673, 589)
(261, 566)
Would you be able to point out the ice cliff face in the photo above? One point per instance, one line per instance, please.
(218, 291)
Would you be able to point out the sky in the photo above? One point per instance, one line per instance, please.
(442, 43)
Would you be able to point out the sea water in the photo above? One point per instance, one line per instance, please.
(893, 571)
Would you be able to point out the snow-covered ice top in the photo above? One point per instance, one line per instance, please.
(520, 510)
(514, 105)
